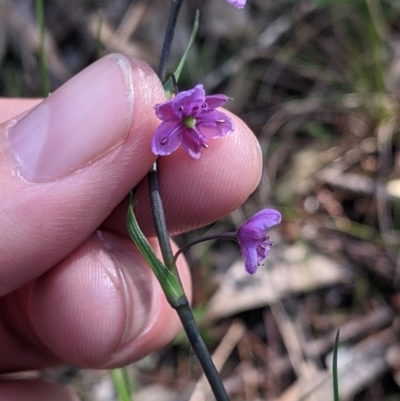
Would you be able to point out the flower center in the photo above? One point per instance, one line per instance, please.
(189, 122)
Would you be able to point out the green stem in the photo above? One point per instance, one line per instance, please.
(122, 384)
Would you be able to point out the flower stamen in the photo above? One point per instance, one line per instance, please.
(165, 140)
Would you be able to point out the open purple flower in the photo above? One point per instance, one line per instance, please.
(253, 239)
(237, 3)
(190, 120)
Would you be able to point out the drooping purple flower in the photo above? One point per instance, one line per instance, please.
(190, 120)
(253, 239)
(237, 3)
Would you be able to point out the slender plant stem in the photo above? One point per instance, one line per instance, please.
(159, 217)
(230, 236)
(154, 186)
(183, 308)
(200, 349)
(169, 35)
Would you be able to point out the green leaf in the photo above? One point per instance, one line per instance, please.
(168, 280)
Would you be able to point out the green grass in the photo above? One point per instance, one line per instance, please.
(44, 71)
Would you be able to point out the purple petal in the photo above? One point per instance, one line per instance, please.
(250, 259)
(214, 124)
(185, 101)
(215, 101)
(237, 3)
(192, 144)
(252, 237)
(164, 111)
(167, 137)
(252, 232)
(264, 219)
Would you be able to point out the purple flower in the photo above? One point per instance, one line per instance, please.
(253, 239)
(237, 3)
(190, 120)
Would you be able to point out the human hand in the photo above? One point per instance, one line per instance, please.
(73, 287)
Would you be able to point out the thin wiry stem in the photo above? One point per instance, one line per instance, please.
(159, 216)
(169, 35)
(199, 348)
(230, 236)
(183, 310)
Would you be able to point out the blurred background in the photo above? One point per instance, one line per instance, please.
(318, 81)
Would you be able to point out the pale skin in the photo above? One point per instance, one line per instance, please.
(73, 288)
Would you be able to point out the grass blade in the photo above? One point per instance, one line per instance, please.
(335, 369)
(42, 51)
(122, 384)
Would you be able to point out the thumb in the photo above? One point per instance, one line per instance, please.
(66, 164)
